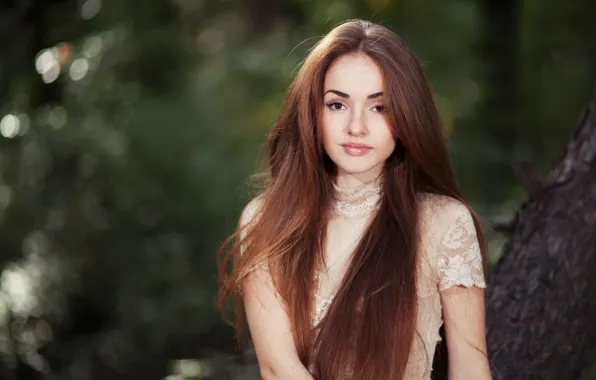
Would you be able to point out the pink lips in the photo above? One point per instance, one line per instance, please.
(356, 149)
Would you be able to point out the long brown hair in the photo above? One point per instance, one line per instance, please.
(370, 325)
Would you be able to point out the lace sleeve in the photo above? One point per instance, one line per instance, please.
(460, 260)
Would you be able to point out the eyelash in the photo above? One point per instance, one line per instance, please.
(330, 105)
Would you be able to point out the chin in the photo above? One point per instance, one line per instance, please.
(356, 169)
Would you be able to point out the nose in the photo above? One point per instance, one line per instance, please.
(357, 126)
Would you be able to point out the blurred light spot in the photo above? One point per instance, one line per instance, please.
(90, 9)
(57, 117)
(9, 126)
(5, 196)
(43, 331)
(109, 38)
(115, 143)
(4, 312)
(35, 244)
(189, 368)
(79, 69)
(92, 46)
(23, 123)
(47, 63)
(45, 60)
(42, 114)
(51, 75)
(28, 337)
(174, 377)
(55, 220)
(17, 284)
(64, 53)
(210, 41)
(37, 361)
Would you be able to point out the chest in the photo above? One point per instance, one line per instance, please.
(342, 238)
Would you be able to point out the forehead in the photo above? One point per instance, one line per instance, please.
(356, 74)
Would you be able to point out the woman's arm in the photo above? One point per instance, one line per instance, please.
(270, 330)
(464, 318)
(461, 284)
(268, 321)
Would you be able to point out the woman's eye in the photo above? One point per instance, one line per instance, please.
(335, 106)
(379, 108)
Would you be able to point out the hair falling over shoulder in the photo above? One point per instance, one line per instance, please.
(370, 335)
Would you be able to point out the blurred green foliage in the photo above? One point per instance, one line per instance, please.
(129, 128)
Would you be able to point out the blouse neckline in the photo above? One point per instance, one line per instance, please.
(359, 201)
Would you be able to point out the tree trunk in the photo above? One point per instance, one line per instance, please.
(540, 300)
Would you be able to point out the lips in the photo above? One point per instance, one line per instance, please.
(356, 149)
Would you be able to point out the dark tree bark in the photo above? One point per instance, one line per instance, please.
(540, 300)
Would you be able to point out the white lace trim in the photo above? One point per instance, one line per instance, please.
(321, 307)
(358, 202)
(460, 259)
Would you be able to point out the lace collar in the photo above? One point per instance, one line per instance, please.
(359, 201)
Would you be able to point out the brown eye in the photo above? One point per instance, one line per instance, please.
(335, 106)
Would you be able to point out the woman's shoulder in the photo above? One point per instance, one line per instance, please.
(249, 211)
(451, 243)
(438, 215)
(246, 220)
(440, 209)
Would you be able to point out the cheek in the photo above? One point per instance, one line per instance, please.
(386, 140)
(331, 128)
(389, 147)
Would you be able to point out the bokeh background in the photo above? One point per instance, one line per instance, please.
(128, 129)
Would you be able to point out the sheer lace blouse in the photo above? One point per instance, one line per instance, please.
(449, 256)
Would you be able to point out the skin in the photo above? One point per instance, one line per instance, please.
(353, 112)
(464, 320)
(270, 330)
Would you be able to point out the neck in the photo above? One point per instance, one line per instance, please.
(359, 200)
(347, 181)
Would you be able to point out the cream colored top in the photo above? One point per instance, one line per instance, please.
(449, 256)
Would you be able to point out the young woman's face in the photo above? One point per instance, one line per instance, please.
(357, 135)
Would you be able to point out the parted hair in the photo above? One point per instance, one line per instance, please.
(371, 335)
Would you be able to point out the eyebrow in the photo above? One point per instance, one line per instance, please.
(346, 96)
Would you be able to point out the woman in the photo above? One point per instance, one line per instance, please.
(360, 245)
